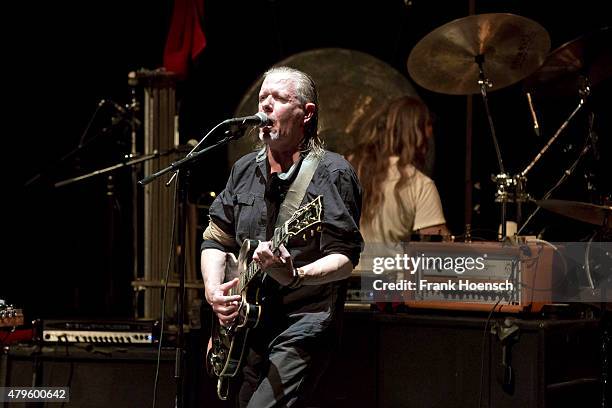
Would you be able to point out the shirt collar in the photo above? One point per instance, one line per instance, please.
(261, 157)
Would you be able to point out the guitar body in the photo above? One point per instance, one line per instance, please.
(227, 345)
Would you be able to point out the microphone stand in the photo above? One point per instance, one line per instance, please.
(82, 142)
(552, 139)
(584, 93)
(235, 132)
(154, 155)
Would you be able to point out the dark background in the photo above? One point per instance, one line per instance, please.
(67, 249)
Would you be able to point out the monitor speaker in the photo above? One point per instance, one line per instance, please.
(97, 376)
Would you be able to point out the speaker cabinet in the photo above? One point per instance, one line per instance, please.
(97, 376)
(429, 360)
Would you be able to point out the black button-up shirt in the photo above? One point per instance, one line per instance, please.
(248, 206)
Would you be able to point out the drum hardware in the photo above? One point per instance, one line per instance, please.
(477, 54)
(584, 92)
(568, 172)
(581, 63)
(574, 67)
(566, 70)
(511, 189)
(599, 215)
(589, 145)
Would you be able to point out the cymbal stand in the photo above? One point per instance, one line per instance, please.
(502, 178)
(565, 175)
(584, 93)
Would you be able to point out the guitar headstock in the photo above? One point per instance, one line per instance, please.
(9, 316)
(306, 219)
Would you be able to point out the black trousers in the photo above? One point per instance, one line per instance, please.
(284, 371)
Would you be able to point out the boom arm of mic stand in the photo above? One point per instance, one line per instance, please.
(552, 139)
(82, 144)
(187, 159)
(107, 169)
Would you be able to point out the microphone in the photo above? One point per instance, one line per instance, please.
(534, 117)
(112, 103)
(259, 119)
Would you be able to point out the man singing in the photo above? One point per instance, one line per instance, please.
(304, 285)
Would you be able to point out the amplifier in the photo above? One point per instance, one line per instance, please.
(144, 332)
(516, 278)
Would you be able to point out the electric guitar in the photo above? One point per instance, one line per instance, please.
(227, 344)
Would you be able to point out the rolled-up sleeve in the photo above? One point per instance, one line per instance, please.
(221, 213)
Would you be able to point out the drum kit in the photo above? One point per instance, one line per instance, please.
(486, 52)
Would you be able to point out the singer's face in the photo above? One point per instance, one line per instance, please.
(278, 100)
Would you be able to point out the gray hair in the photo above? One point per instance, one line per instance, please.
(306, 90)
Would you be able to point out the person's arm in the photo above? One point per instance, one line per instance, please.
(429, 216)
(439, 229)
(217, 295)
(218, 240)
(329, 268)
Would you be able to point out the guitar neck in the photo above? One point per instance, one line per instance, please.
(253, 269)
(247, 276)
(301, 222)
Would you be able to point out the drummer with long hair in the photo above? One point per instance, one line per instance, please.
(399, 200)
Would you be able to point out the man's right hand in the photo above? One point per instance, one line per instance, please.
(225, 306)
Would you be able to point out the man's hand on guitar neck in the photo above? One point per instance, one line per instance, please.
(279, 267)
(225, 306)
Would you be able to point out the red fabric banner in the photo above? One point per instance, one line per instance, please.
(186, 38)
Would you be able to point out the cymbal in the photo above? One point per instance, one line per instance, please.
(351, 85)
(586, 212)
(445, 61)
(565, 69)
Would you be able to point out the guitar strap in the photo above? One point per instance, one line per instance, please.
(297, 190)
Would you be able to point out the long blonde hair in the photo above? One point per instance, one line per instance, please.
(399, 128)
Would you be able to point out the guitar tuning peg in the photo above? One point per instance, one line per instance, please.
(304, 237)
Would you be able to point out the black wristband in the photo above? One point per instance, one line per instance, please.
(298, 279)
